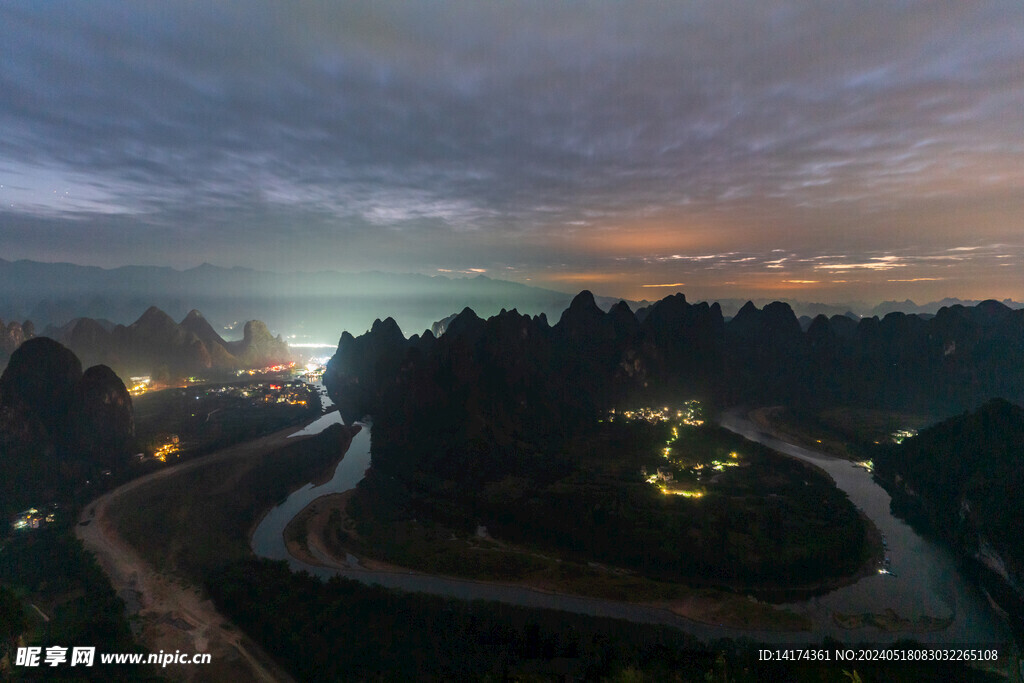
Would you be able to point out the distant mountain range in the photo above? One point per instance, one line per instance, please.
(309, 307)
(305, 307)
(157, 346)
(857, 309)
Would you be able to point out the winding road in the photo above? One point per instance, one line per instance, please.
(171, 614)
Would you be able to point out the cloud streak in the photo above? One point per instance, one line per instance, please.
(541, 136)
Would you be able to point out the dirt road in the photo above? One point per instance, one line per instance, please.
(167, 613)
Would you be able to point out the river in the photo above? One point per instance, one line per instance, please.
(925, 580)
(925, 583)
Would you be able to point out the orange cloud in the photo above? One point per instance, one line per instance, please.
(646, 237)
(584, 277)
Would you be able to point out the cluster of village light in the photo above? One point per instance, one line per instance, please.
(170, 446)
(33, 518)
(900, 434)
(139, 385)
(281, 367)
(898, 437)
(691, 415)
(293, 393)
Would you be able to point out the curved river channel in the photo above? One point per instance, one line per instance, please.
(924, 582)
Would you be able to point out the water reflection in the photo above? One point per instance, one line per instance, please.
(268, 539)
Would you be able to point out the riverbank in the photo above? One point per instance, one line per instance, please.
(892, 622)
(772, 421)
(848, 433)
(172, 613)
(928, 585)
(197, 519)
(311, 537)
(321, 533)
(923, 595)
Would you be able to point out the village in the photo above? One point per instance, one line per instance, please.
(687, 470)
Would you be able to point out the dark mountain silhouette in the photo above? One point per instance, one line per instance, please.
(58, 426)
(11, 337)
(439, 327)
(492, 399)
(39, 382)
(962, 479)
(156, 345)
(944, 363)
(931, 308)
(466, 423)
(155, 341)
(221, 355)
(101, 416)
(195, 323)
(258, 347)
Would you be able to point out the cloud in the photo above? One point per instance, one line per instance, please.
(876, 263)
(462, 134)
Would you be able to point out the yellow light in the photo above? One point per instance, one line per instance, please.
(684, 494)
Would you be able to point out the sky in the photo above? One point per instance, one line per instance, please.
(828, 151)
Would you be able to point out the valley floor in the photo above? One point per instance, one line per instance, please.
(168, 613)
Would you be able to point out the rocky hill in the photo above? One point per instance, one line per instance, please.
(961, 480)
(954, 360)
(459, 417)
(58, 425)
(11, 337)
(157, 346)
